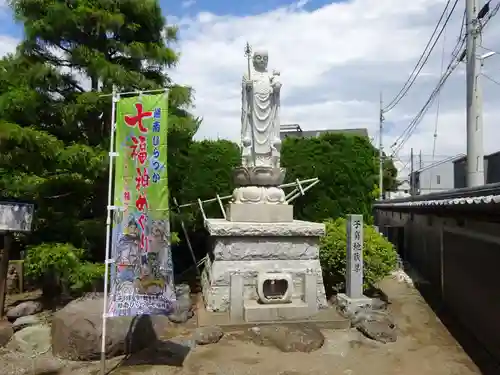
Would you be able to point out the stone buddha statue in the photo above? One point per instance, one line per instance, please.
(260, 106)
(260, 174)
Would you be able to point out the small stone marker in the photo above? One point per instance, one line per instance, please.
(354, 270)
(353, 299)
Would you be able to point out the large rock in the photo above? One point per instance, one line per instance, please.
(24, 309)
(34, 340)
(76, 331)
(25, 321)
(6, 332)
(376, 325)
(289, 338)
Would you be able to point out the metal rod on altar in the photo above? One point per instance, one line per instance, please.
(302, 192)
(112, 155)
(186, 236)
(310, 180)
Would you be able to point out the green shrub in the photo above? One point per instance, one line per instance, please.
(207, 170)
(87, 277)
(61, 268)
(379, 256)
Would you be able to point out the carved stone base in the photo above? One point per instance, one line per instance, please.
(258, 176)
(259, 195)
(259, 213)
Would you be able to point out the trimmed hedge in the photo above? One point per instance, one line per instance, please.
(347, 167)
(379, 256)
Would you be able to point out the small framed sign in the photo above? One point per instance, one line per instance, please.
(16, 216)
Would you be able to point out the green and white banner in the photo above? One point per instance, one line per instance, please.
(141, 270)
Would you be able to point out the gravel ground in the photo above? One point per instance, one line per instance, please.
(424, 347)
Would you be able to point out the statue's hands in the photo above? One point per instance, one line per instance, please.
(247, 83)
(276, 84)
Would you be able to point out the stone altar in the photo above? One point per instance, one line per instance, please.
(264, 265)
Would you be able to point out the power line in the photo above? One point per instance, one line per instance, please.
(455, 55)
(438, 105)
(424, 57)
(491, 79)
(418, 118)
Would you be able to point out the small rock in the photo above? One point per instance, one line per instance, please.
(34, 340)
(208, 335)
(378, 304)
(377, 325)
(289, 338)
(24, 309)
(183, 291)
(25, 321)
(6, 332)
(181, 317)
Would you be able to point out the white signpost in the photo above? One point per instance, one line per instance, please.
(353, 298)
(14, 217)
(354, 270)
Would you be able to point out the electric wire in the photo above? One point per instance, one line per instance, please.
(490, 79)
(424, 57)
(438, 103)
(457, 58)
(418, 118)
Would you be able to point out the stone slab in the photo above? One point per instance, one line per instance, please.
(328, 318)
(260, 213)
(349, 306)
(296, 228)
(266, 248)
(255, 312)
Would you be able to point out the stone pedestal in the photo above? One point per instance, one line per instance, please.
(244, 252)
(259, 213)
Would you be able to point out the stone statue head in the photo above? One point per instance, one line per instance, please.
(260, 59)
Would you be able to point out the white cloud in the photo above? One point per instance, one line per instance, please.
(334, 61)
(188, 3)
(7, 44)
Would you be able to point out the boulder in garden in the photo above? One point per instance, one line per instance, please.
(25, 321)
(34, 340)
(76, 331)
(24, 309)
(290, 337)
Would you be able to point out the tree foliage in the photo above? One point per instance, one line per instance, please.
(55, 108)
(347, 167)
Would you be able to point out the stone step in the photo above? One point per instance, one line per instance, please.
(296, 309)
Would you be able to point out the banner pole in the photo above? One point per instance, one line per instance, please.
(112, 154)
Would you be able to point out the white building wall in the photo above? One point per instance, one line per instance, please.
(439, 177)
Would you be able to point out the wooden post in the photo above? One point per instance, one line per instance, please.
(4, 268)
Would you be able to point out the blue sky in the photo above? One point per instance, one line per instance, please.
(233, 7)
(190, 8)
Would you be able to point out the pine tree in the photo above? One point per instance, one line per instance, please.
(54, 118)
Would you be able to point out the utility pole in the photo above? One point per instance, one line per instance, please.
(475, 150)
(412, 175)
(420, 164)
(381, 150)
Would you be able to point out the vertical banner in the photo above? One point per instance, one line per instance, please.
(142, 270)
